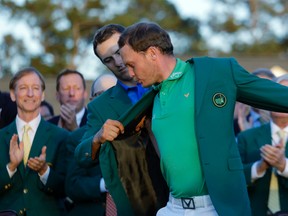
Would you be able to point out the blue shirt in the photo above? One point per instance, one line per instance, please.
(135, 93)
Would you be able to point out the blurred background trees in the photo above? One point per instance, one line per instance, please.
(61, 31)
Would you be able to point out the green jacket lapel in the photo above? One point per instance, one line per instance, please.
(40, 139)
(120, 99)
(200, 65)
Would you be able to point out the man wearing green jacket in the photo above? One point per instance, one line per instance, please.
(192, 120)
(264, 154)
(33, 153)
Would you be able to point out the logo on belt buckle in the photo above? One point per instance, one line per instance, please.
(188, 203)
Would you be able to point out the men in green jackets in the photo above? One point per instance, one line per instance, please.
(103, 112)
(33, 152)
(192, 120)
(264, 156)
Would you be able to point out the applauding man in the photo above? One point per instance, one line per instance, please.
(32, 161)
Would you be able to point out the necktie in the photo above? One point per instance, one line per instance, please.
(27, 143)
(282, 136)
(110, 206)
(273, 200)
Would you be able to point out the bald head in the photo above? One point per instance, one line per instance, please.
(101, 84)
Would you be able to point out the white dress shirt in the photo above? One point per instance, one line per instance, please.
(79, 116)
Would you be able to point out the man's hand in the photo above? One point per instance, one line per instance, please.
(262, 166)
(68, 117)
(109, 131)
(16, 153)
(274, 155)
(38, 164)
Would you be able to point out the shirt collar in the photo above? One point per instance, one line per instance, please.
(275, 128)
(274, 132)
(79, 116)
(177, 72)
(33, 124)
(128, 87)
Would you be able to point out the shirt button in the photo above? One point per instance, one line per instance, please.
(25, 191)
(86, 154)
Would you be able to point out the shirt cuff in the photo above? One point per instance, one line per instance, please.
(102, 186)
(254, 174)
(11, 173)
(44, 177)
(285, 171)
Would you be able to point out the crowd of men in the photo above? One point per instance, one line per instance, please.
(156, 138)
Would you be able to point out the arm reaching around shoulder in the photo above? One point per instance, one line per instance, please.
(108, 132)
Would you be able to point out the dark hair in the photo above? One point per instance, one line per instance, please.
(24, 72)
(49, 107)
(67, 72)
(141, 36)
(104, 34)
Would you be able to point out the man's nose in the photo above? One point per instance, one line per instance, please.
(30, 92)
(118, 60)
(71, 91)
(131, 72)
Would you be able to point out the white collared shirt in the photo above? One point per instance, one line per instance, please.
(79, 116)
(275, 140)
(33, 124)
(274, 132)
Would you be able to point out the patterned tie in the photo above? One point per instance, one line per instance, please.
(110, 206)
(27, 143)
(273, 200)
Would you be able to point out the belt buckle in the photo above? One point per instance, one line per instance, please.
(188, 203)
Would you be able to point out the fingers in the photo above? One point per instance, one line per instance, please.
(67, 112)
(272, 154)
(16, 152)
(13, 140)
(140, 125)
(37, 163)
(110, 130)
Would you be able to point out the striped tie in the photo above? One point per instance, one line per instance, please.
(110, 206)
(27, 143)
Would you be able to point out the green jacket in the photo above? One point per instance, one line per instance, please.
(24, 191)
(249, 143)
(83, 184)
(112, 104)
(219, 83)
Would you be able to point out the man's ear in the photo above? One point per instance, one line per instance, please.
(12, 95)
(85, 94)
(58, 96)
(43, 96)
(152, 51)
